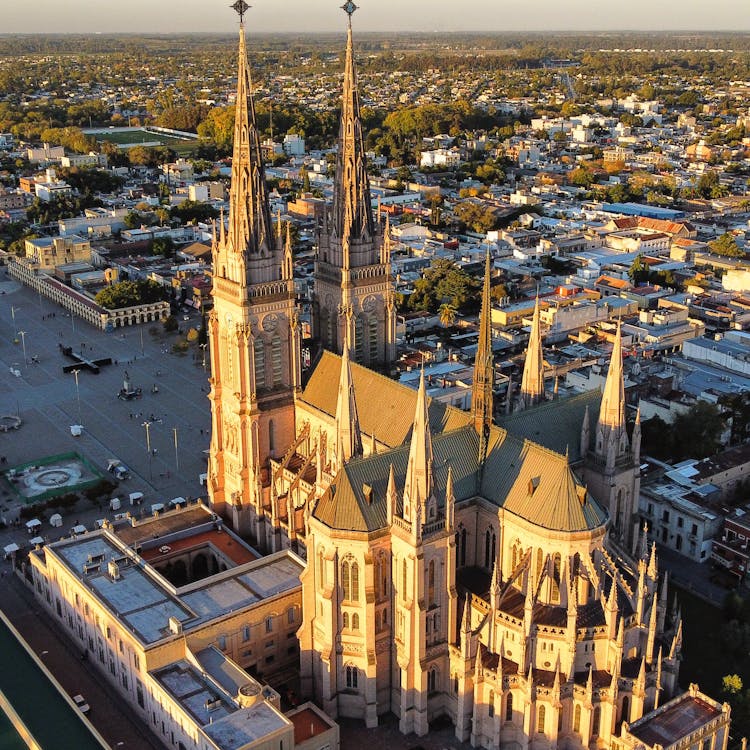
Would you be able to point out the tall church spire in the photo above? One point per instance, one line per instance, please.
(612, 412)
(348, 436)
(419, 480)
(246, 253)
(484, 373)
(351, 247)
(532, 382)
(352, 210)
(253, 331)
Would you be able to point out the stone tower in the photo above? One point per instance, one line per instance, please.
(611, 467)
(253, 330)
(353, 287)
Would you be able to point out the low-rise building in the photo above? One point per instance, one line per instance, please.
(678, 511)
(49, 252)
(690, 720)
(731, 549)
(185, 621)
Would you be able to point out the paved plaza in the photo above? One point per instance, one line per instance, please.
(46, 400)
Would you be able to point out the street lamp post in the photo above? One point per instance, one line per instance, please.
(22, 334)
(78, 394)
(176, 454)
(147, 425)
(141, 329)
(203, 346)
(13, 315)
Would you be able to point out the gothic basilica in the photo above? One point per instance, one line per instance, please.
(492, 573)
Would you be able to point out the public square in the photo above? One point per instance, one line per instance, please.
(49, 402)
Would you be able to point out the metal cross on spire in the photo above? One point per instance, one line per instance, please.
(241, 7)
(349, 7)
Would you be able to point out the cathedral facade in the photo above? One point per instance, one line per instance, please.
(491, 573)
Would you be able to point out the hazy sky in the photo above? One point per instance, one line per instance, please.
(374, 15)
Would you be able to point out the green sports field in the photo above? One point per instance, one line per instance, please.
(138, 135)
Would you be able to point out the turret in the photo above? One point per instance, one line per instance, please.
(419, 483)
(391, 496)
(532, 382)
(653, 570)
(585, 433)
(450, 502)
(465, 638)
(635, 443)
(287, 264)
(651, 637)
(348, 436)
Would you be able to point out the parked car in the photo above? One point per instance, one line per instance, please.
(80, 701)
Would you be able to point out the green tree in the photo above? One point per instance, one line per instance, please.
(581, 177)
(638, 270)
(444, 282)
(726, 245)
(129, 293)
(697, 432)
(731, 684)
(163, 246)
(188, 211)
(475, 216)
(447, 314)
(170, 324)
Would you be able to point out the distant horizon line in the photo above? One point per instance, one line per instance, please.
(444, 32)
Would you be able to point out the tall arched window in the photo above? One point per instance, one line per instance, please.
(321, 568)
(346, 584)
(491, 704)
(556, 579)
(577, 718)
(509, 707)
(373, 338)
(540, 716)
(463, 547)
(432, 680)
(355, 621)
(352, 677)
(359, 338)
(276, 361)
(403, 578)
(350, 580)
(539, 564)
(489, 548)
(355, 582)
(625, 709)
(345, 621)
(271, 437)
(260, 364)
(380, 579)
(596, 722)
(431, 584)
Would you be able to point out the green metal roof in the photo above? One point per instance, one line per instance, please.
(556, 424)
(357, 499)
